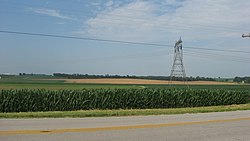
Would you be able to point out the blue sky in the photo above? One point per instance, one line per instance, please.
(212, 24)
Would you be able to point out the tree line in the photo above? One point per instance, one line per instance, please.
(241, 79)
(90, 76)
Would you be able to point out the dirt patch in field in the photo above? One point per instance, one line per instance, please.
(142, 81)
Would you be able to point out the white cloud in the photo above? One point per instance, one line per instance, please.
(119, 23)
(52, 13)
(149, 21)
(109, 3)
(95, 3)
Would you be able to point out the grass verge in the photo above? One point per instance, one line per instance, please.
(133, 112)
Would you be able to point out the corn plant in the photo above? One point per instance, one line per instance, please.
(67, 100)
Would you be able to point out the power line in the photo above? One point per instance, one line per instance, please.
(115, 41)
(199, 54)
(221, 50)
(82, 38)
(220, 57)
(216, 57)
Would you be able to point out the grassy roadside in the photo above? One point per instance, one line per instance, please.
(134, 112)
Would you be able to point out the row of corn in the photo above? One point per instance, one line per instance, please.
(66, 100)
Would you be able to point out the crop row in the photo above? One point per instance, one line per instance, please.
(66, 100)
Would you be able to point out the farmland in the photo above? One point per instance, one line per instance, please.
(25, 100)
(52, 83)
(24, 95)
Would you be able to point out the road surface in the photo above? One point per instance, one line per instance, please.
(221, 126)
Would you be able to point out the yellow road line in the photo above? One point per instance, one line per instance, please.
(15, 132)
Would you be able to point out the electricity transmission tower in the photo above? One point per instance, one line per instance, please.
(245, 35)
(178, 71)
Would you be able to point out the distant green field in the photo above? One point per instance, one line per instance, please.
(42, 82)
(62, 86)
(229, 87)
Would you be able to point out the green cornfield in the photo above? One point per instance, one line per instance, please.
(28, 100)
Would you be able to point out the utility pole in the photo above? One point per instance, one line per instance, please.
(178, 71)
(246, 35)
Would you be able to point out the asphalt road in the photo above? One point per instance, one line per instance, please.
(221, 126)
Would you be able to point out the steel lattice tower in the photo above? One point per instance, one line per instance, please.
(178, 71)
